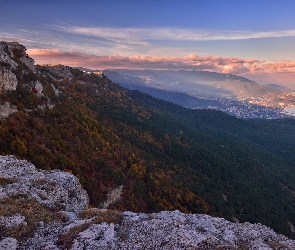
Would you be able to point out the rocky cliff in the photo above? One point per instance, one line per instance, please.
(23, 82)
(49, 210)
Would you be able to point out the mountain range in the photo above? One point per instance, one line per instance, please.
(194, 82)
(232, 94)
(162, 155)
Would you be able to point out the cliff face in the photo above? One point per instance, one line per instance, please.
(8, 79)
(20, 77)
(48, 210)
(11, 51)
(11, 55)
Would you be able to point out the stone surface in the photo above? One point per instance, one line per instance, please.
(8, 244)
(39, 86)
(60, 71)
(12, 221)
(18, 73)
(6, 53)
(29, 62)
(6, 109)
(10, 50)
(113, 196)
(8, 79)
(55, 189)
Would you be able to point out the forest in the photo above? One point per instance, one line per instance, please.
(166, 157)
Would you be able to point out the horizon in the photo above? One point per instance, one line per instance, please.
(251, 39)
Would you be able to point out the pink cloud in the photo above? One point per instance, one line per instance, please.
(226, 65)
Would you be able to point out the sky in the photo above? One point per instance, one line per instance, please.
(253, 38)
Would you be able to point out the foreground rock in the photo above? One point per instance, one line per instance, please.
(53, 189)
(48, 210)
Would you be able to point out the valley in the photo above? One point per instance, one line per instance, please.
(232, 94)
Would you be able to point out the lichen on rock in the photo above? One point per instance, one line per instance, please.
(8, 79)
(6, 110)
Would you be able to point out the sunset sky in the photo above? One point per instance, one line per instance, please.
(253, 38)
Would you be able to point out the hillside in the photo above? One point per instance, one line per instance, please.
(165, 156)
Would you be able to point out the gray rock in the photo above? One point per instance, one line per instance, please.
(8, 79)
(54, 189)
(113, 196)
(6, 110)
(12, 221)
(8, 244)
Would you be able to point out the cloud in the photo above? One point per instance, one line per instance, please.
(142, 35)
(189, 62)
(264, 72)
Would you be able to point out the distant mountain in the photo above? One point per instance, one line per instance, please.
(161, 156)
(280, 87)
(232, 94)
(200, 83)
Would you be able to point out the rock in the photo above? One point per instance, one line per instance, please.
(10, 50)
(29, 62)
(8, 244)
(6, 54)
(56, 91)
(60, 71)
(6, 110)
(54, 189)
(89, 238)
(8, 79)
(113, 196)
(38, 87)
(12, 221)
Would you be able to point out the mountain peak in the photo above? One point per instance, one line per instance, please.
(12, 53)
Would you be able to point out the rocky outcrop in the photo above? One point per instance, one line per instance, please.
(29, 62)
(73, 226)
(11, 55)
(18, 73)
(6, 54)
(8, 244)
(8, 79)
(54, 189)
(38, 86)
(113, 196)
(6, 109)
(11, 50)
(60, 71)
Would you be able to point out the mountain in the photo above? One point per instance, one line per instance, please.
(202, 83)
(232, 94)
(280, 87)
(43, 209)
(159, 155)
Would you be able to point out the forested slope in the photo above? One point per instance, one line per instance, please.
(165, 156)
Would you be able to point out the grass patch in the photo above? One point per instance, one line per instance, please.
(5, 181)
(277, 245)
(65, 240)
(33, 213)
(110, 216)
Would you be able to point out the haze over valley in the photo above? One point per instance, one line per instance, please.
(232, 94)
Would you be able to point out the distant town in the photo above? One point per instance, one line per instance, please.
(262, 107)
